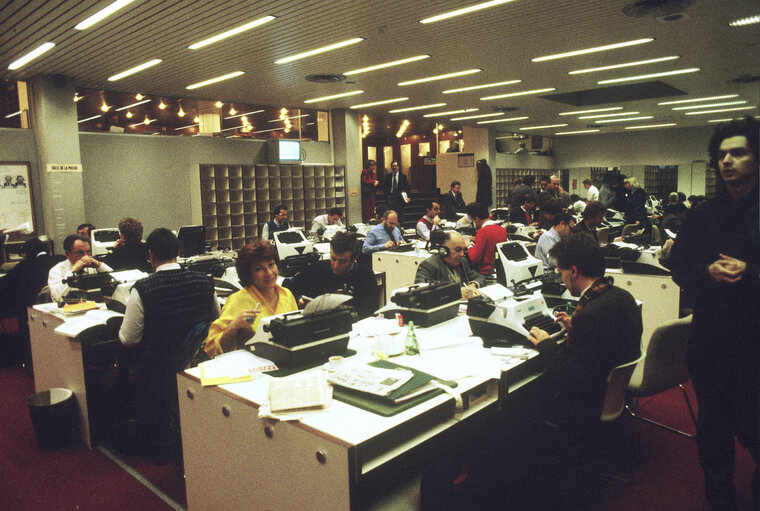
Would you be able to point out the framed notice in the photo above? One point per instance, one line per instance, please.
(16, 206)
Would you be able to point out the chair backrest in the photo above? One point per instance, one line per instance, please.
(664, 365)
(44, 296)
(603, 234)
(617, 385)
(656, 234)
(629, 229)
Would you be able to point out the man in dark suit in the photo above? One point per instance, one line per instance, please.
(452, 202)
(523, 214)
(520, 191)
(395, 186)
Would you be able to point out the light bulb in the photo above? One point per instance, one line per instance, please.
(139, 96)
(233, 111)
(104, 107)
(181, 112)
(162, 105)
(129, 114)
(196, 119)
(219, 104)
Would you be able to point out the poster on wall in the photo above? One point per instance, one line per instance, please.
(16, 207)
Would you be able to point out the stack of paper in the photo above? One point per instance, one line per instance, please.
(233, 367)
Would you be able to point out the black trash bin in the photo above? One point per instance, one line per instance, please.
(55, 418)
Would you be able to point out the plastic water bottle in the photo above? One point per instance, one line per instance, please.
(411, 346)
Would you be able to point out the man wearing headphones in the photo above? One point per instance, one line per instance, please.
(341, 274)
(448, 266)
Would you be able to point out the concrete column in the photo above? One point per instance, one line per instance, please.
(347, 151)
(56, 133)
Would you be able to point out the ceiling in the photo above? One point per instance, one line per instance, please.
(500, 41)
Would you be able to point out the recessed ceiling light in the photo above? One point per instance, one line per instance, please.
(750, 20)
(230, 33)
(625, 64)
(134, 70)
(641, 118)
(214, 80)
(721, 110)
(521, 93)
(451, 112)
(653, 75)
(383, 102)
(133, 105)
(648, 126)
(579, 132)
(694, 100)
(103, 13)
(475, 116)
(599, 116)
(465, 10)
(474, 87)
(31, 55)
(593, 50)
(387, 64)
(710, 105)
(511, 119)
(439, 77)
(334, 96)
(421, 107)
(578, 112)
(543, 127)
(319, 50)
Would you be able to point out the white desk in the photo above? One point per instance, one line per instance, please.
(234, 460)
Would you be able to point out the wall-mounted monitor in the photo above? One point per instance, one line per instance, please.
(283, 151)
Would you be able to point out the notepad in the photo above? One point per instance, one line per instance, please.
(233, 367)
(302, 391)
(74, 327)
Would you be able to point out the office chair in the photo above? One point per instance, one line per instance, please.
(664, 368)
(617, 386)
(603, 234)
(629, 229)
(656, 237)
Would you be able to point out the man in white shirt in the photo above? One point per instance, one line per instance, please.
(322, 221)
(592, 192)
(78, 260)
(562, 225)
(430, 221)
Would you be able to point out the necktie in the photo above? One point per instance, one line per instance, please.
(395, 183)
(528, 220)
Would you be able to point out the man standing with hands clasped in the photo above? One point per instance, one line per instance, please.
(716, 256)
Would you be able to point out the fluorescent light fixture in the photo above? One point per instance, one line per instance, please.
(626, 64)
(475, 116)
(653, 75)
(214, 80)
(721, 110)
(641, 118)
(593, 50)
(146, 122)
(663, 125)
(452, 112)
(465, 10)
(134, 70)
(721, 120)
(31, 55)
(543, 127)
(521, 93)
(711, 105)
(579, 132)
(133, 104)
(14, 114)
(103, 13)
(694, 100)
(247, 113)
(511, 119)
(230, 33)
(440, 77)
(266, 131)
(387, 64)
(618, 114)
(750, 20)
(474, 87)
(286, 118)
(185, 127)
(383, 102)
(319, 50)
(578, 112)
(230, 129)
(421, 107)
(334, 96)
(88, 119)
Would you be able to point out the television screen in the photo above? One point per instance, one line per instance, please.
(290, 150)
(192, 240)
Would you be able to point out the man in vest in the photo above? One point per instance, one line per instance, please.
(278, 223)
(430, 221)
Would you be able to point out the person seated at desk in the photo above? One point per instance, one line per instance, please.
(483, 251)
(562, 225)
(430, 221)
(260, 297)
(130, 252)
(341, 274)
(278, 223)
(161, 310)
(549, 210)
(593, 216)
(78, 260)
(449, 266)
(523, 214)
(85, 230)
(332, 217)
(384, 235)
(673, 218)
(452, 202)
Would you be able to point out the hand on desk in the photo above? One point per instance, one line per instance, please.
(727, 269)
(564, 318)
(470, 291)
(536, 335)
(390, 243)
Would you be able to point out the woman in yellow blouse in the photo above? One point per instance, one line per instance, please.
(261, 297)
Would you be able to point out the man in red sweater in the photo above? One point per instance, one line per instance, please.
(482, 253)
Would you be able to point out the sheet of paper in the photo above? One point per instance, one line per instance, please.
(300, 391)
(234, 367)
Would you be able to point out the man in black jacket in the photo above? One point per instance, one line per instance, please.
(716, 256)
(452, 202)
(395, 187)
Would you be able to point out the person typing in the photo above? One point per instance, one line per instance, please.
(384, 235)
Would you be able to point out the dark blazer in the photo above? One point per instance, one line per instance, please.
(129, 257)
(517, 197)
(517, 215)
(19, 288)
(451, 205)
(434, 269)
(395, 201)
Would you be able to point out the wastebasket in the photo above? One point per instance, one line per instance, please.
(55, 417)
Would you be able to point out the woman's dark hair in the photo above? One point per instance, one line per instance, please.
(253, 253)
(132, 229)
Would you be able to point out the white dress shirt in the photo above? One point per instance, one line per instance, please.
(321, 222)
(592, 194)
(61, 271)
(423, 231)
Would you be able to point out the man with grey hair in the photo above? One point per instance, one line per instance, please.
(449, 266)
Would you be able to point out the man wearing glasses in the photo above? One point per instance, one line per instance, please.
(449, 266)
